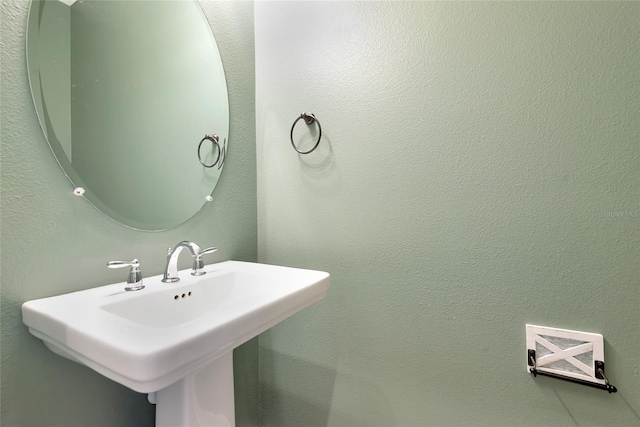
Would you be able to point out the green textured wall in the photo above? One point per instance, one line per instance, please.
(479, 170)
(53, 242)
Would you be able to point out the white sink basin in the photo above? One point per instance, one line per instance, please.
(155, 337)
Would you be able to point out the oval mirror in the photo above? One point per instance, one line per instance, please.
(126, 93)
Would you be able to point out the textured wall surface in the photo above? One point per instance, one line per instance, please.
(479, 170)
(54, 242)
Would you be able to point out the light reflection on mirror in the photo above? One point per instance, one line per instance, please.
(125, 91)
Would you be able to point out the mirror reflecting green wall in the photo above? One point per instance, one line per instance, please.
(125, 91)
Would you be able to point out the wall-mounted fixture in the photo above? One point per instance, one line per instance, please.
(567, 355)
(122, 90)
(309, 119)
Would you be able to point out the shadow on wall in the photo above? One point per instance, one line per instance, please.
(294, 391)
(318, 168)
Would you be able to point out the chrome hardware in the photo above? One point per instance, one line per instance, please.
(171, 270)
(220, 149)
(198, 264)
(309, 119)
(134, 280)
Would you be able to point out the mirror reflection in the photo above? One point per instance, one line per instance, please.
(125, 91)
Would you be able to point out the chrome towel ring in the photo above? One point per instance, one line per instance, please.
(221, 150)
(309, 119)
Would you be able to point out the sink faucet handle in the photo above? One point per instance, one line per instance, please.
(198, 264)
(134, 281)
(208, 251)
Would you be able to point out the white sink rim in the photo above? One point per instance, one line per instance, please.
(147, 358)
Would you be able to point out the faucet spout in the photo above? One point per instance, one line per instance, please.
(171, 269)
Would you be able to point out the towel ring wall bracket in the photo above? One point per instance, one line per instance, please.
(309, 119)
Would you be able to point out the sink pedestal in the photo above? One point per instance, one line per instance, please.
(203, 398)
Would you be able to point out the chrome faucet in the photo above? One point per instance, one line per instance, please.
(171, 270)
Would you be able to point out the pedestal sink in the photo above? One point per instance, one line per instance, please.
(175, 340)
